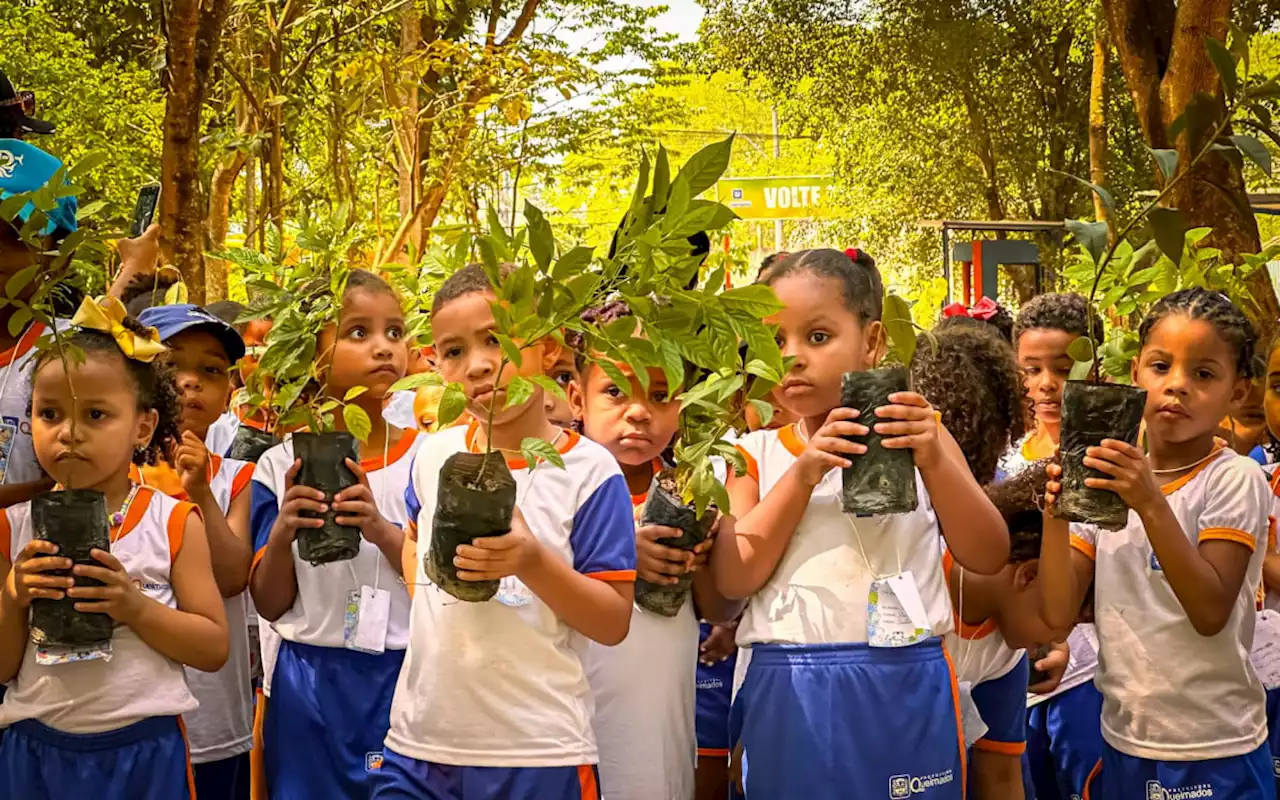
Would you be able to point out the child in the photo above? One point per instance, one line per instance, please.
(223, 430)
(644, 687)
(107, 727)
(326, 695)
(562, 367)
(493, 701)
(1183, 710)
(822, 663)
(202, 350)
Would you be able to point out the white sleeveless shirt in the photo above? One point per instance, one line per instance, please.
(137, 682)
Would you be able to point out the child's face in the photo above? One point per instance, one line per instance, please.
(108, 424)
(564, 372)
(367, 346)
(1243, 428)
(468, 354)
(825, 338)
(1189, 372)
(1042, 355)
(634, 429)
(1271, 400)
(780, 419)
(426, 407)
(203, 374)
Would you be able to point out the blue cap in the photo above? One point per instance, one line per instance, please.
(25, 168)
(173, 320)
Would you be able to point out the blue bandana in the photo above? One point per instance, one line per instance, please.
(25, 168)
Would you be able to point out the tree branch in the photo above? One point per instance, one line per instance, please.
(522, 22)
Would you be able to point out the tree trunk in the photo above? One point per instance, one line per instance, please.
(194, 29)
(409, 146)
(1098, 123)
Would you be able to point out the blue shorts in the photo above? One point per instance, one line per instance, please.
(147, 760)
(403, 778)
(225, 779)
(1064, 742)
(715, 686)
(329, 712)
(1119, 777)
(1273, 732)
(829, 722)
(1003, 705)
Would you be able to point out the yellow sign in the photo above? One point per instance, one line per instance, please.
(776, 198)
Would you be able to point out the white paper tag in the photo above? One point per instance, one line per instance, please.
(513, 593)
(970, 716)
(364, 626)
(895, 613)
(1266, 648)
(52, 656)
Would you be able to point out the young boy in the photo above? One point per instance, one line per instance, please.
(493, 700)
(202, 350)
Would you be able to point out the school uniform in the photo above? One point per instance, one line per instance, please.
(1064, 731)
(821, 713)
(493, 702)
(17, 453)
(1181, 712)
(109, 729)
(712, 700)
(323, 725)
(222, 433)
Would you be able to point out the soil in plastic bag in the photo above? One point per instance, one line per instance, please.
(880, 481)
(324, 467)
(1091, 413)
(477, 497)
(663, 507)
(250, 443)
(76, 521)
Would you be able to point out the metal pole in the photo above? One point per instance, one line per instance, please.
(777, 154)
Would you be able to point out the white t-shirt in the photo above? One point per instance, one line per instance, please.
(1169, 693)
(399, 410)
(137, 682)
(980, 652)
(644, 705)
(818, 593)
(222, 433)
(318, 614)
(17, 454)
(501, 683)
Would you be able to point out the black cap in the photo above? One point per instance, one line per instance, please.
(15, 107)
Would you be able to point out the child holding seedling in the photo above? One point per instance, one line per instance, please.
(201, 352)
(493, 701)
(1183, 710)
(849, 688)
(344, 624)
(103, 721)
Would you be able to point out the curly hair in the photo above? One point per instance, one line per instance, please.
(1214, 308)
(970, 375)
(1059, 312)
(154, 384)
(860, 281)
(1001, 321)
(1020, 501)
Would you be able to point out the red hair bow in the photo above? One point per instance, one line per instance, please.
(984, 310)
(853, 253)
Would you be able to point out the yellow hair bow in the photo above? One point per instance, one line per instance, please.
(107, 315)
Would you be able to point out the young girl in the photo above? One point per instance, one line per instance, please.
(107, 727)
(327, 695)
(1183, 711)
(844, 613)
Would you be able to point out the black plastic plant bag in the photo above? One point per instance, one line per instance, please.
(324, 467)
(664, 507)
(250, 443)
(76, 521)
(477, 497)
(1091, 413)
(880, 481)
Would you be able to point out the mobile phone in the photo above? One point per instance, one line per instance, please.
(145, 210)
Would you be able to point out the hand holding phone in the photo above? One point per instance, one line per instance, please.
(144, 212)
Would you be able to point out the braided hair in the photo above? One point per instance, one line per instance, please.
(854, 270)
(1214, 308)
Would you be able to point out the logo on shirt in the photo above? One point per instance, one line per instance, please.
(903, 786)
(1275, 766)
(372, 761)
(1157, 792)
(1155, 564)
(710, 683)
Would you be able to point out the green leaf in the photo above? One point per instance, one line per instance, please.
(754, 301)
(510, 350)
(519, 390)
(615, 375)
(764, 410)
(1081, 350)
(678, 202)
(1224, 63)
(672, 365)
(1103, 194)
(353, 393)
(1239, 46)
(705, 167)
(661, 178)
(176, 294)
(1092, 236)
(896, 318)
(87, 163)
(1170, 228)
(416, 381)
(496, 230)
(1080, 370)
(1167, 160)
(537, 450)
(10, 206)
(19, 320)
(549, 384)
(452, 405)
(542, 243)
(19, 280)
(358, 423)
(572, 263)
(1202, 113)
(1255, 150)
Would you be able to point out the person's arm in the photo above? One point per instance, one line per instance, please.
(742, 563)
(139, 256)
(25, 580)
(409, 559)
(14, 493)
(360, 510)
(194, 633)
(1205, 576)
(709, 604)
(976, 534)
(272, 582)
(1271, 571)
(230, 549)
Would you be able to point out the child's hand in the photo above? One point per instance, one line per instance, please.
(657, 563)
(491, 558)
(121, 599)
(358, 508)
(827, 449)
(1052, 489)
(1054, 666)
(27, 579)
(297, 499)
(1131, 476)
(916, 427)
(191, 460)
(719, 644)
